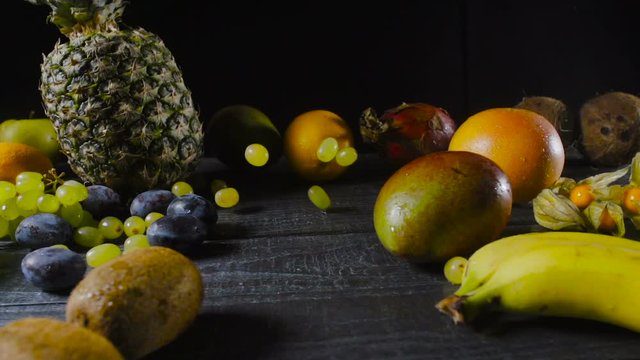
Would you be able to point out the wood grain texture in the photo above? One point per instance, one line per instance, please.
(284, 280)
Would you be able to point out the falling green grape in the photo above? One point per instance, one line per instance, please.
(7, 190)
(134, 242)
(327, 150)
(134, 225)
(48, 203)
(111, 227)
(102, 253)
(319, 197)
(256, 155)
(87, 236)
(152, 217)
(9, 210)
(227, 197)
(454, 269)
(181, 188)
(346, 156)
(73, 213)
(217, 184)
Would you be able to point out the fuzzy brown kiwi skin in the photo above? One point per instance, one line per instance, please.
(51, 339)
(610, 127)
(140, 301)
(556, 112)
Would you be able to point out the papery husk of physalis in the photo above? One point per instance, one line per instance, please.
(603, 180)
(593, 213)
(634, 177)
(557, 212)
(563, 186)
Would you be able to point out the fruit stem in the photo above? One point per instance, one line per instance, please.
(370, 126)
(452, 306)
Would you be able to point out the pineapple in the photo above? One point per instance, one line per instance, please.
(122, 112)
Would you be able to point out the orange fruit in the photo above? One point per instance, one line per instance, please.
(523, 143)
(16, 158)
(303, 137)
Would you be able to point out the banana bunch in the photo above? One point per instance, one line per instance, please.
(568, 274)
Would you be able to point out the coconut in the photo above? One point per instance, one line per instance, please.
(555, 111)
(610, 126)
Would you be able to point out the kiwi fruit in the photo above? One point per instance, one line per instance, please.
(140, 301)
(50, 339)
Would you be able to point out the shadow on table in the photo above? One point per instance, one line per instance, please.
(223, 336)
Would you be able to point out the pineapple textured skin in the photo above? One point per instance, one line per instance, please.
(122, 112)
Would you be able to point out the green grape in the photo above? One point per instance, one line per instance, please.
(13, 226)
(102, 253)
(28, 200)
(454, 269)
(217, 184)
(48, 203)
(67, 195)
(227, 197)
(134, 225)
(29, 176)
(111, 227)
(72, 213)
(256, 155)
(327, 150)
(88, 220)
(60, 246)
(29, 180)
(9, 210)
(152, 217)
(319, 197)
(4, 227)
(134, 242)
(29, 184)
(346, 156)
(7, 190)
(181, 188)
(81, 191)
(87, 236)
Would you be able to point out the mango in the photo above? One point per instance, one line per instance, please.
(233, 128)
(442, 205)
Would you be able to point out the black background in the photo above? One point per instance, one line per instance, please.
(289, 57)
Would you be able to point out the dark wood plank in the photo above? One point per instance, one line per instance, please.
(284, 280)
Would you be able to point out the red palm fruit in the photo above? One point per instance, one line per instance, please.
(408, 131)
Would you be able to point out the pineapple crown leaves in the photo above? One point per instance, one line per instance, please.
(78, 16)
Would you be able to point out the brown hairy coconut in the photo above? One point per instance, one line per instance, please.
(555, 111)
(610, 125)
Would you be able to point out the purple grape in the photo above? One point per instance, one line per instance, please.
(195, 205)
(53, 269)
(183, 233)
(103, 201)
(151, 201)
(42, 230)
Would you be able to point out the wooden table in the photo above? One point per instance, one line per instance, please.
(283, 280)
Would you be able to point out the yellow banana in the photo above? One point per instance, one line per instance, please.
(570, 274)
